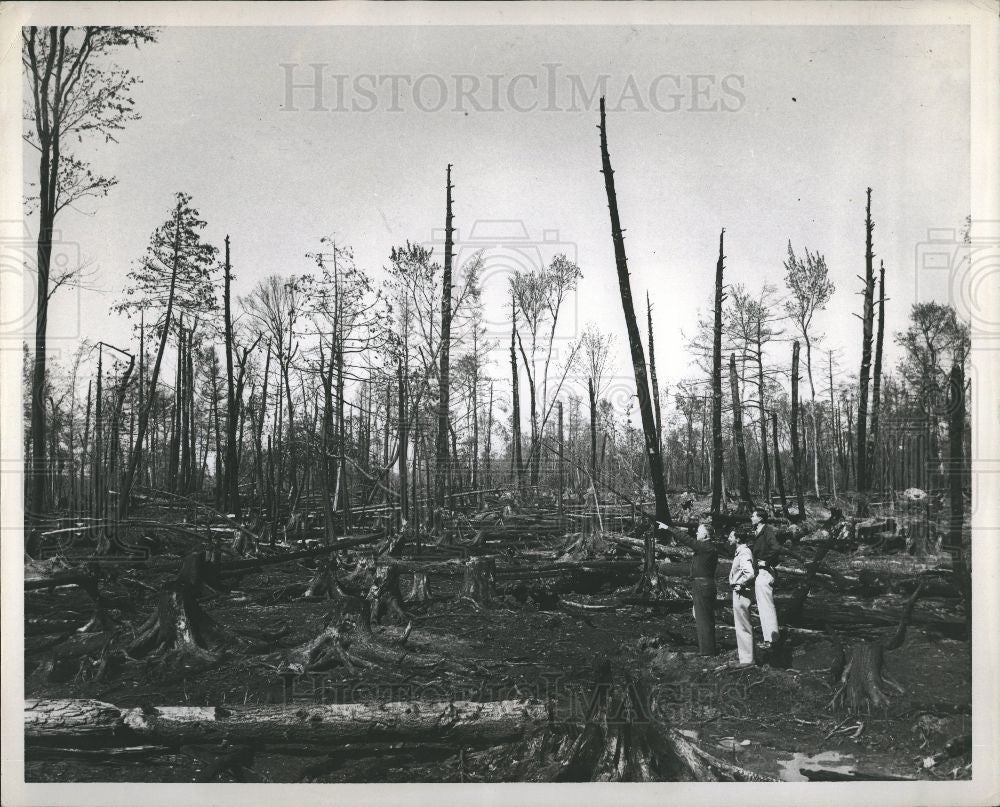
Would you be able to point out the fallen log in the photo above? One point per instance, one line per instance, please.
(466, 722)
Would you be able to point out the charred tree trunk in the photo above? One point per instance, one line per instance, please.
(515, 452)
(232, 471)
(741, 449)
(956, 484)
(480, 723)
(717, 503)
(593, 431)
(796, 457)
(861, 450)
(442, 460)
(649, 582)
(404, 439)
(562, 452)
(834, 437)
(652, 379)
(873, 453)
(765, 459)
(779, 475)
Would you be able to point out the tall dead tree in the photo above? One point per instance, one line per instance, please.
(515, 425)
(741, 449)
(404, 440)
(796, 458)
(232, 471)
(593, 429)
(867, 316)
(717, 384)
(650, 578)
(442, 460)
(779, 475)
(562, 452)
(877, 374)
(956, 484)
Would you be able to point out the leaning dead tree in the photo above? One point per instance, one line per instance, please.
(650, 577)
(717, 383)
(652, 376)
(867, 317)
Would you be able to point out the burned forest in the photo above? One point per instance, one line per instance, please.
(416, 520)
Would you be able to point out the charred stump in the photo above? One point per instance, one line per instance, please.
(478, 585)
(179, 624)
(420, 591)
(384, 596)
(864, 678)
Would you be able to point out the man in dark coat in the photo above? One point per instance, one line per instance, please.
(766, 553)
(703, 589)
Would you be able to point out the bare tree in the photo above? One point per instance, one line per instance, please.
(717, 384)
(867, 315)
(810, 289)
(441, 467)
(73, 91)
(650, 576)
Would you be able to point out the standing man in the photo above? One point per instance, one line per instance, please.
(703, 589)
(766, 552)
(741, 581)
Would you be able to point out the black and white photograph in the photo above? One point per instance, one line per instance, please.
(562, 394)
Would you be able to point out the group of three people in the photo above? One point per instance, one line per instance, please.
(753, 571)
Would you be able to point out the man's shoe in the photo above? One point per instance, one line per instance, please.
(764, 645)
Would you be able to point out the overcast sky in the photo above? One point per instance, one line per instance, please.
(771, 132)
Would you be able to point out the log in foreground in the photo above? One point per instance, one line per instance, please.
(467, 722)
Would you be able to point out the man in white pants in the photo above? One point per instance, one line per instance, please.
(766, 552)
(740, 579)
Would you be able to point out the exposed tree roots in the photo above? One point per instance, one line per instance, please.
(384, 596)
(348, 641)
(864, 678)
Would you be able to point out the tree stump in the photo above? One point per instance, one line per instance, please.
(384, 595)
(864, 678)
(478, 585)
(179, 623)
(420, 590)
(324, 582)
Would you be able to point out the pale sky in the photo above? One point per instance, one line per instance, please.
(805, 118)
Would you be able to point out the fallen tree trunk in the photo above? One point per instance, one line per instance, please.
(466, 722)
